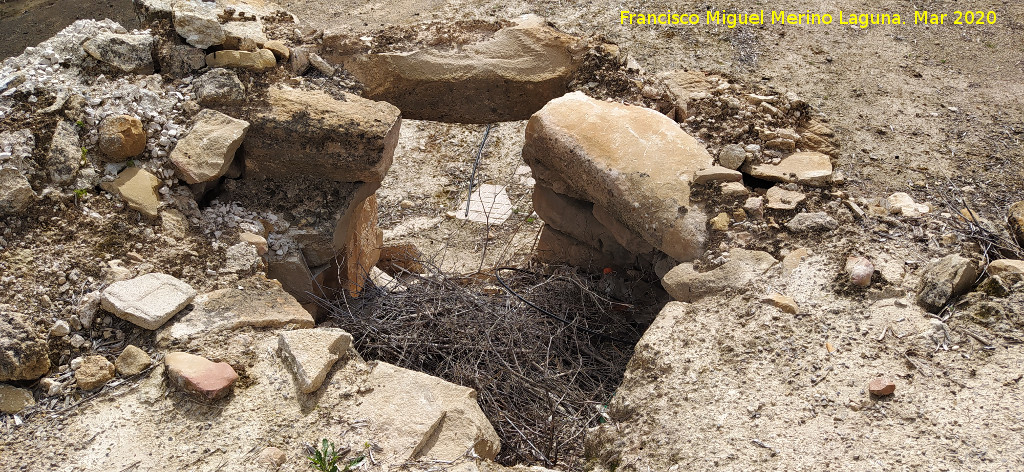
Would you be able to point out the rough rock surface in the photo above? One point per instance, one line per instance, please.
(15, 192)
(633, 162)
(199, 376)
(121, 137)
(219, 87)
(807, 168)
(504, 78)
(436, 419)
(261, 304)
(148, 300)
(197, 22)
(132, 361)
(14, 399)
(311, 134)
(1015, 219)
(180, 60)
(94, 372)
(685, 284)
(813, 221)
(310, 354)
(131, 53)
(782, 199)
(258, 60)
(138, 188)
(206, 152)
(65, 156)
(944, 279)
(23, 352)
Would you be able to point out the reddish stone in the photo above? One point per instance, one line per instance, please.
(200, 376)
(881, 386)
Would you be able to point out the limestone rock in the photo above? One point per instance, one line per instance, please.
(321, 64)
(65, 156)
(244, 35)
(634, 162)
(240, 258)
(860, 270)
(310, 354)
(197, 22)
(807, 168)
(716, 174)
(944, 279)
(732, 156)
(299, 62)
(362, 252)
(685, 284)
(15, 192)
(556, 247)
(14, 399)
(219, 87)
(881, 386)
(298, 279)
(174, 224)
(900, 203)
(785, 303)
(720, 222)
(121, 137)
(132, 53)
(1010, 269)
(812, 222)
(94, 372)
(180, 60)
(280, 50)
(308, 133)
(60, 329)
(132, 361)
(206, 152)
(24, 354)
(629, 240)
(261, 304)
(257, 241)
(1015, 220)
(198, 376)
(425, 417)
(138, 188)
(504, 78)
(574, 218)
(272, 457)
(147, 300)
(782, 199)
(259, 60)
(682, 87)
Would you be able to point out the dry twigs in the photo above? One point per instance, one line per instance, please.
(537, 377)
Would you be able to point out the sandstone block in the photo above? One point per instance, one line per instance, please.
(94, 372)
(206, 152)
(147, 300)
(310, 353)
(199, 376)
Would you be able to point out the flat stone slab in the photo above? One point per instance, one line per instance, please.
(260, 303)
(808, 168)
(489, 204)
(310, 354)
(200, 376)
(147, 300)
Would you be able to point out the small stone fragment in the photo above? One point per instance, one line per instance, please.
(785, 303)
(16, 193)
(720, 222)
(321, 65)
(94, 372)
(716, 174)
(792, 260)
(881, 386)
(197, 22)
(271, 456)
(732, 156)
(258, 60)
(14, 399)
(219, 86)
(310, 353)
(60, 329)
(148, 300)
(259, 242)
(782, 199)
(812, 222)
(1015, 220)
(138, 188)
(807, 168)
(734, 190)
(132, 53)
(121, 137)
(860, 270)
(944, 279)
(132, 361)
(199, 376)
(206, 152)
(900, 203)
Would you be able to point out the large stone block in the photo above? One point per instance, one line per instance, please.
(506, 77)
(634, 162)
(309, 133)
(206, 152)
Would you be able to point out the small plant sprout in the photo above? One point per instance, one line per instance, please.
(325, 458)
(80, 192)
(85, 154)
(80, 124)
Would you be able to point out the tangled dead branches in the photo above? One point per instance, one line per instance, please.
(541, 382)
